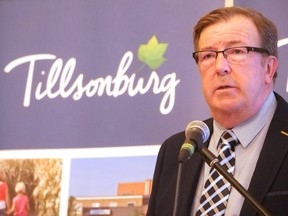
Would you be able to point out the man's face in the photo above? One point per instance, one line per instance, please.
(235, 88)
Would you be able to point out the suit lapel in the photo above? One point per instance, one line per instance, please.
(190, 177)
(274, 151)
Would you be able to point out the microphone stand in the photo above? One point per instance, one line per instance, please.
(187, 149)
(179, 174)
(213, 162)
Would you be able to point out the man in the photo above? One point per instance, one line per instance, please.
(236, 53)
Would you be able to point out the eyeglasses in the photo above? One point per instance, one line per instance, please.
(232, 54)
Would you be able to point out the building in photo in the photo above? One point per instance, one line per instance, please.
(132, 199)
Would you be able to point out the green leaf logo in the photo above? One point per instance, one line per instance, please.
(152, 53)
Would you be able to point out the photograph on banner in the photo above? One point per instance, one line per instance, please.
(118, 184)
(35, 183)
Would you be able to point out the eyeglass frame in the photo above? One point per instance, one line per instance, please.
(249, 49)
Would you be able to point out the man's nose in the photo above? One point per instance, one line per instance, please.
(222, 66)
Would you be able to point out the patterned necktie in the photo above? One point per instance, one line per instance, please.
(216, 192)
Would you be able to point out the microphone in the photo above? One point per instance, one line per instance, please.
(196, 133)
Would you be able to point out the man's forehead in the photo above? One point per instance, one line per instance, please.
(235, 31)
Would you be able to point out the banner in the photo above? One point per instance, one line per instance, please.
(90, 89)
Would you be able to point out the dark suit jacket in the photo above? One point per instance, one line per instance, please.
(269, 183)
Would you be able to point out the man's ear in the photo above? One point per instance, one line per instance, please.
(271, 63)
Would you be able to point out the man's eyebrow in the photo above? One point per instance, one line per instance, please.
(234, 42)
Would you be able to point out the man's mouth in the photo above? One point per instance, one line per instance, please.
(224, 87)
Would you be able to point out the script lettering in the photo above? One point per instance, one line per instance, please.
(62, 82)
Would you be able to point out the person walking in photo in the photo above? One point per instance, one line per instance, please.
(20, 204)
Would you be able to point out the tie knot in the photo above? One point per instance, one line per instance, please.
(229, 138)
